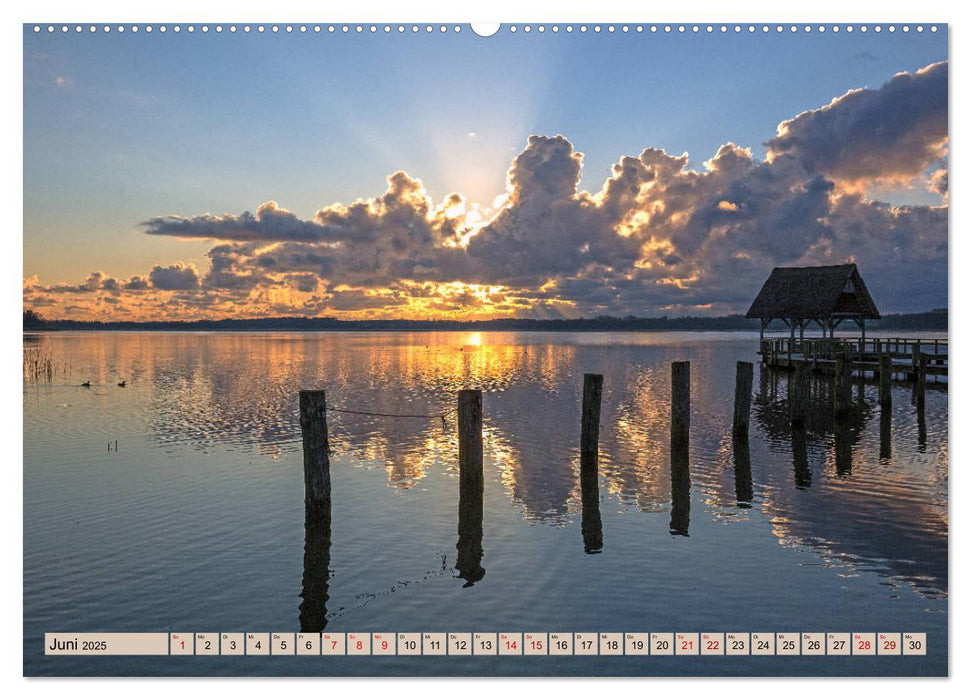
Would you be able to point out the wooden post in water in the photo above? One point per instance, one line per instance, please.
(471, 486)
(886, 372)
(743, 397)
(680, 427)
(680, 404)
(591, 524)
(590, 422)
(316, 453)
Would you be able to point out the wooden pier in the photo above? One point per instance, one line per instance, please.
(909, 358)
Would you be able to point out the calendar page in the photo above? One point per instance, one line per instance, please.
(515, 349)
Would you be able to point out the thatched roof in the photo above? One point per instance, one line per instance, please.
(814, 292)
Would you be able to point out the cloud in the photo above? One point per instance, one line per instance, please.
(656, 237)
(174, 277)
(895, 131)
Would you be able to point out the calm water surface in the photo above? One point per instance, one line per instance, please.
(196, 522)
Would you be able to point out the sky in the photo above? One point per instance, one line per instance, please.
(212, 175)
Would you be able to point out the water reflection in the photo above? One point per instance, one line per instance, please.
(800, 458)
(468, 561)
(744, 492)
(680, 493)
(886, 419)
(316, 572)
(839, 489)
(872, 493)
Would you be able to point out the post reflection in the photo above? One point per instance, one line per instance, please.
(843, 447)
(468, 561)
(803, 474)
(885, 426)
(316, 572)
(590, 525)
(743, 470)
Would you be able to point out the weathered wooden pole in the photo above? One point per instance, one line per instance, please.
(743, 397)
(316, 453)
(798, 395)
(590, 423)
(886, 374)
(680, 428)
(471, 486)
(591, 524)
(680, 404)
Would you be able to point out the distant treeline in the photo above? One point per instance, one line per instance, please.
(928, 321)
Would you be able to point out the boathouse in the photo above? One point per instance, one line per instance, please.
(828, 295)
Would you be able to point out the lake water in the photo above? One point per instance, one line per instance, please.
(196, 522)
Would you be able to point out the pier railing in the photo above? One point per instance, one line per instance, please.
(905, 355)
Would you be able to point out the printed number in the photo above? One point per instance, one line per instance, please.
(434, 644)
(510, 645)
(562, 645)
(788, 644)
(612, 645)
(309, 645)
(586, 644)
(687, 644)
(814, 645)
(662, 644)
(410, 645)
(485, 644)
(461, 645)
(712, 645)
(384, 646)
(538, 644)
(913, 645)
(333, 644)
(890, 645)
(232, 645)
(182, 643)
(762, 646)
(259, 645)
(208, 645)
(637, 644)
(864, 644)
(839, 644)
(359, 646)
(283, 644)
(738, 645)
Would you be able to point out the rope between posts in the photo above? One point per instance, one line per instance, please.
(443, 415)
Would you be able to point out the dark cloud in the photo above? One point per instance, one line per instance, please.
(892, 132)
(174, 277)
(270, 223)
